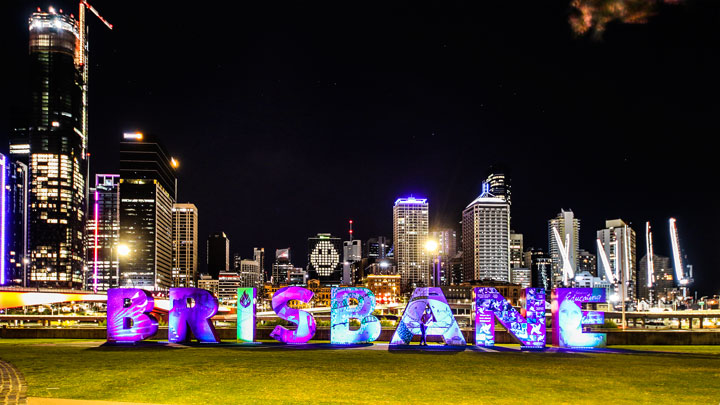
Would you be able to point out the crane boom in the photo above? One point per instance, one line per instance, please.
(97, 14)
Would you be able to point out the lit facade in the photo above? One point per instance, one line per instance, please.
(500, 183)
(516, 250)
(57, 139)
(103, 234)
(352, 251)
(228, 283)
(386, 287)
(410, 233)
(568, 227)
(281, 268)
(147, 195)
(486, 238)
(251, 273)
(587, 262)
(618, 244)
(521, 276)
(184, 244)
(325, 259)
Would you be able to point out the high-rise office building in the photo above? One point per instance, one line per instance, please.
(228, 283)
(185, 245)
(568, 229)
(250, 273)
(147, 194)
(259, 256)
(587, 262)
(218, 254)
(618, 244)
(516, 250)
(282, 267)
(13, 221)
(325, 259)
(377, 248)
(500, 184)
(57, 139)
(522, 276)
(352, 251)
(103, 234)
(663, 283)
(486, 238)
(410, 233)
(447, 248)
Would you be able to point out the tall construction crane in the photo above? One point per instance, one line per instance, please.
(81, 60)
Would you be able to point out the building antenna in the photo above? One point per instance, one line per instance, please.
(351, 232)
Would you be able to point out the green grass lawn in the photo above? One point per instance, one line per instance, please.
(232, 374)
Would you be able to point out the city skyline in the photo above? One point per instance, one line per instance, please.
(271, 141)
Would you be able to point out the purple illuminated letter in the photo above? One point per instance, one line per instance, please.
(128, 315)
(193, 307)
(530, 330)
(304, 320)
(569, 318)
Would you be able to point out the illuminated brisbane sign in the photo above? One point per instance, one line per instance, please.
(129, 317)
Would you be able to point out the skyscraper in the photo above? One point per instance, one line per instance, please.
(325, 259)
(587, 262)
(568, 229)
(352, 251)
(259, 256)
(13, 220)
(618, 245)
(516, 250)
(486, 238)
(447, 249)
(103, 233)
(250, 273)
(57, 139)
(218, 254)
(185, 244)
(663, 284)
(147, 194)
(377, 248)
(282, 267)
(410, 232)
(500, 183)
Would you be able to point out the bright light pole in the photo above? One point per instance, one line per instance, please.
(431, 247)
(121, 250)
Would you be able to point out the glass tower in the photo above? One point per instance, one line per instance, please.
(57, 159)
(147, 194)
(103, 233)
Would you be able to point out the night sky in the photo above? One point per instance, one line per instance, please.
(289, 118)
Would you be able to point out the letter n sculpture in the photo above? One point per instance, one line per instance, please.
(528, 330)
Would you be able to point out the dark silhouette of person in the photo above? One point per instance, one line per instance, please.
(425, 318)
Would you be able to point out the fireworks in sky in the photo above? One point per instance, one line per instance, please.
(592, 16)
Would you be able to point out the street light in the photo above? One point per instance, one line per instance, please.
(431, 246)
(121, 250)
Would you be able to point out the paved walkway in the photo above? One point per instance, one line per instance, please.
(12, 385)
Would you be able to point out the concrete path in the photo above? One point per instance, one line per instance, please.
(12, 385)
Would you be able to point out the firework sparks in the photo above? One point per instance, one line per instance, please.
(592, 16)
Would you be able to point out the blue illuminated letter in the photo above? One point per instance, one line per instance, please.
(341, 314)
